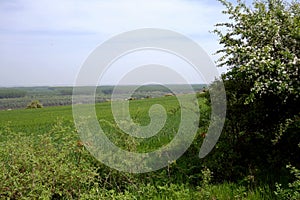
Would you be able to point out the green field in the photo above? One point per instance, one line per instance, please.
(42, 156)
(40, 120)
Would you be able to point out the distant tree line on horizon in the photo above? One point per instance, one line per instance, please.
(20, 97)
(11, 93)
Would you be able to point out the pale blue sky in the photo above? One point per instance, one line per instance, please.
(45, 42)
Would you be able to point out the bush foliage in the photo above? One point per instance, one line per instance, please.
(34, 104)
(56, 165)
(261, 47)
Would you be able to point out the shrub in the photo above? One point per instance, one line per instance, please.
(261, 49)
(37, 167)
(293, 190)
(34, 104)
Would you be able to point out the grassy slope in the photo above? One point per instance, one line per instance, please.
(32, 120)
(41, 121)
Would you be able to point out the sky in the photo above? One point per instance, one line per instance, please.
(45, 43)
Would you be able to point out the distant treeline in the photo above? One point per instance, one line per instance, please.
(106, 90)
(19, 97)
(151, 88)
(19, 103)
(11, 93)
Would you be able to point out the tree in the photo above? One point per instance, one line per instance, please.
(261, 48)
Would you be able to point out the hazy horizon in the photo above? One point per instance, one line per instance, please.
(172, 84)
(44, 43)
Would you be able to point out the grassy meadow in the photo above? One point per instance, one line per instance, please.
(42, 157)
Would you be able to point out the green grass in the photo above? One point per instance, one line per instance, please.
(27, 120)
(41, 157)
(35, 121)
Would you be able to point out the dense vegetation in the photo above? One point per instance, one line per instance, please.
(42, 156)
(261, 47)
(257, 156)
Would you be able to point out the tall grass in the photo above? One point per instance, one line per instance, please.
(43, 157)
